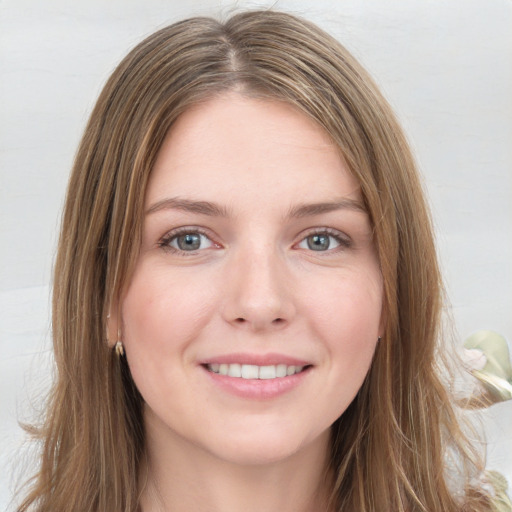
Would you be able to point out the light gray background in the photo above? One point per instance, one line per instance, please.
(445, 65)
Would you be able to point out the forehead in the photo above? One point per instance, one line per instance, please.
(233, 147)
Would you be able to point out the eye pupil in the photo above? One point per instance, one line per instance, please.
(318, 242)
(189, 242)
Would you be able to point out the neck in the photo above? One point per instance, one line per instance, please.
(180, 476)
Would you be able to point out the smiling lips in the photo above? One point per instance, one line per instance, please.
(252, 371)
(256, 377)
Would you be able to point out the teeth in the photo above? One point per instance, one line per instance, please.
(267, 372)
(281, 370)
(234, 370)
(251, 371)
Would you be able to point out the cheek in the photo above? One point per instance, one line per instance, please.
(163, 308)
(163, 312)
(347, 306)
(347, 317)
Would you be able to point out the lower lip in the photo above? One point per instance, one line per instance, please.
(257, 389)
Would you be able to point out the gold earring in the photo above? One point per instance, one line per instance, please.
(119, 349)
(119, 345)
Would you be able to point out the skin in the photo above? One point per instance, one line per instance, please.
(252, 286)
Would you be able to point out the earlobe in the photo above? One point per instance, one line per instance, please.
(113, 328)
(114, 335)
(383, 322)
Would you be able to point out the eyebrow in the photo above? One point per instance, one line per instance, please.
(215, 210)
(307, 210)
(187, 205)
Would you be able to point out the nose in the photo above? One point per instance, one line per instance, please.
(259, 292)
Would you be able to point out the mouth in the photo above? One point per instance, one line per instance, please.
(255, 372)
(256, 377)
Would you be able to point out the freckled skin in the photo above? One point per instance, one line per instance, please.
(257, 160)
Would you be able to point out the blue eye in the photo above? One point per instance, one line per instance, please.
(321, 242)
(187, 242)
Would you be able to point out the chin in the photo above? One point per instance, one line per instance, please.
(258, 447)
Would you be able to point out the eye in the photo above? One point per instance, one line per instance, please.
(322, 241)
(186, 241)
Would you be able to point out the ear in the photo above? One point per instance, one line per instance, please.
(113, 325)
(383, 321)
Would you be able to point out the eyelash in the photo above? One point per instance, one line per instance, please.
(165, 242)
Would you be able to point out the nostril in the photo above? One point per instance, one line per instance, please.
(259, 323)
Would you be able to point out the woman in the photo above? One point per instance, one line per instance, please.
(247, 297)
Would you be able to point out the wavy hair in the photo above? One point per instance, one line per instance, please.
(389, 447)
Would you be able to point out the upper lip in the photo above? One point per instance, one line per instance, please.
(269, 359)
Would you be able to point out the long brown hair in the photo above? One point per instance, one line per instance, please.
(389, 447)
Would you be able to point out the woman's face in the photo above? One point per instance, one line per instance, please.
(254, 309)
